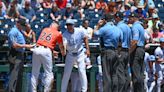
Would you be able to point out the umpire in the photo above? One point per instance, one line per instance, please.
(137, 53)
(122, 71)
(111, 35)
(16, 56)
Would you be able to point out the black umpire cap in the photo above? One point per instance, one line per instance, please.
(119, 14)
(109, 17)
(22, 22)
(133, 14)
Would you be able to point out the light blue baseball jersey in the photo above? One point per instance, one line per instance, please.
(138, 33)
(127, 36)
(111, 35)
(74, 40)
(16, 36)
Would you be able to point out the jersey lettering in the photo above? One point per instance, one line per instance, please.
(46, 36)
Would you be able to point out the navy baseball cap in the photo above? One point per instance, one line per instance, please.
(22, 22)
(119, 14)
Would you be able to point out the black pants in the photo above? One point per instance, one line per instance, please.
(109, 67)
(16, 71)
(137, 67)
(122, 72)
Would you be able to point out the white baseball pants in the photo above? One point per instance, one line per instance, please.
(42, 56)
(69, 62)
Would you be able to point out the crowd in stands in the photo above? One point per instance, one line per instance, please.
(44, 11)
(40, 13)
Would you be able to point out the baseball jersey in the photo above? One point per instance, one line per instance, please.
(74, 40)
(49, 37)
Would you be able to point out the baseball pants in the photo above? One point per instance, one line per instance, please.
(69, 62)
(75, 82)
(16, 71)
(137, 66)
(122, 72)
(109, 67)
(42, 56)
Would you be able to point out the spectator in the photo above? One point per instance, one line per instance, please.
(76, 4)
(90, 4)
(47, 4)
(55, 13)
(156, 21)
(12, 12)
(147, 34)
(141, 12)
(127, 11)
(68, 12)
(29, 35)
(2, 11)
(156, 35)
(101, 5)
(111, 8)
(89, 30)
(17, 5)
(61, 3)
(28, 13)
(120, 5)
(3, 5)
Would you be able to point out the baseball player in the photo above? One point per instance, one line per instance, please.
(42, 55)
(73, 42)
(159, 53)
(155, 75)
(146, 59)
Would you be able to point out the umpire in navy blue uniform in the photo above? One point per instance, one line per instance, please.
(122, 71)
(111, 35)
(137, 53)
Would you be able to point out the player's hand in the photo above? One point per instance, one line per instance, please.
(100, 22)
(55, 53)
(63, 53)
(87, 52)
(29, 46)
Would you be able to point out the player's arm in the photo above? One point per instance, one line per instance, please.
(86, 45)
(33, 37)
(61, 45)
(100, 24)
(135, 37)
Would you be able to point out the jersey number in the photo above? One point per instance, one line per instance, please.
(46, 36)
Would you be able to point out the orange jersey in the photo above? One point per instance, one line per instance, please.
(49, 37)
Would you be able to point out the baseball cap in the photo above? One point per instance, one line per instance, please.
(68, 5)
(70, 21)
(127, 5)
(21, 21)
(133, 14)
(119, 1)
(158, 53)
(151, 58)
(140, 5)
(119, 14)
(108, 17)
(161, 39)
